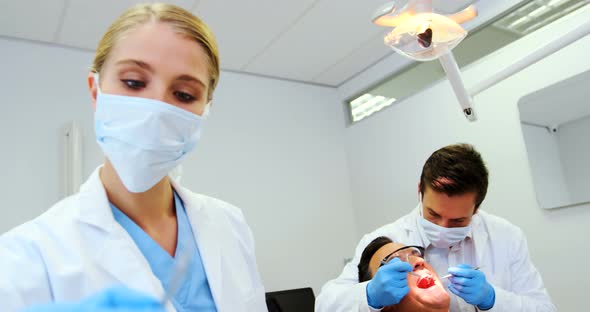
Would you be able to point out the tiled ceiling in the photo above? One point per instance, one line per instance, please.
(323, 42)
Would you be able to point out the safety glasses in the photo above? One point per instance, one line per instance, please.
(404, 254)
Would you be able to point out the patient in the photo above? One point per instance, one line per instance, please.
(426, 294)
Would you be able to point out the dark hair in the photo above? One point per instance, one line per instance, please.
(370, 250)
(455, 170)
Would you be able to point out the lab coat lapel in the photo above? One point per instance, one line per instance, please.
(208, 237)
(112, 250)
(118, 256)
(480, 237)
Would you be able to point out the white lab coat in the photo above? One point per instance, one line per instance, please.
(77, 248)
(500, 247)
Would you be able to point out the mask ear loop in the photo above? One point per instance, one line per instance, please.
(420, 201)
(96, 81)
(207, 109)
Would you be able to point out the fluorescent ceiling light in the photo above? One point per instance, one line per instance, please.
(360, 100)
(540, 10)
(367, 104)
(556, 2)
(537, 14)
(519, 21)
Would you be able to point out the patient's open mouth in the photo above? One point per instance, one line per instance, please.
(425, 281)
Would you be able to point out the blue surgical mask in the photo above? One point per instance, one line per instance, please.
(144, 139)
(439, 236)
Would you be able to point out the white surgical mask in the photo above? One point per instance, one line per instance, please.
(439, 236)
(144, 139)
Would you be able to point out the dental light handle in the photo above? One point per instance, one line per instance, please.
(449, 65)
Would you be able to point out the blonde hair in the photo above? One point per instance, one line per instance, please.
(183, 21)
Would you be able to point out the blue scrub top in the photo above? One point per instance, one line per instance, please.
(194, 294)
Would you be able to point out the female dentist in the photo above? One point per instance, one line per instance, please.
(130, 225)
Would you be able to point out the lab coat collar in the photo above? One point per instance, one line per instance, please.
(130, 266)
(94, 204)
(95, 211)
(114, 251)
(415, 230)
(480, 236)
(207, 234)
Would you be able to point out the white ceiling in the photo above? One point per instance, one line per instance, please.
(323, 42)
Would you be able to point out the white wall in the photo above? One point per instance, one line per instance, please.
(273, 148)
(276, 149)
(386, 152)
(546, 167)
(575, 155)
(42, 88)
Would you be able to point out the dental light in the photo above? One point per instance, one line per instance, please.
(425, 30)
(428, 29)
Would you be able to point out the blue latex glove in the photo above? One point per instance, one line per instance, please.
(115, 299)
(389, 285)
(472, 286)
